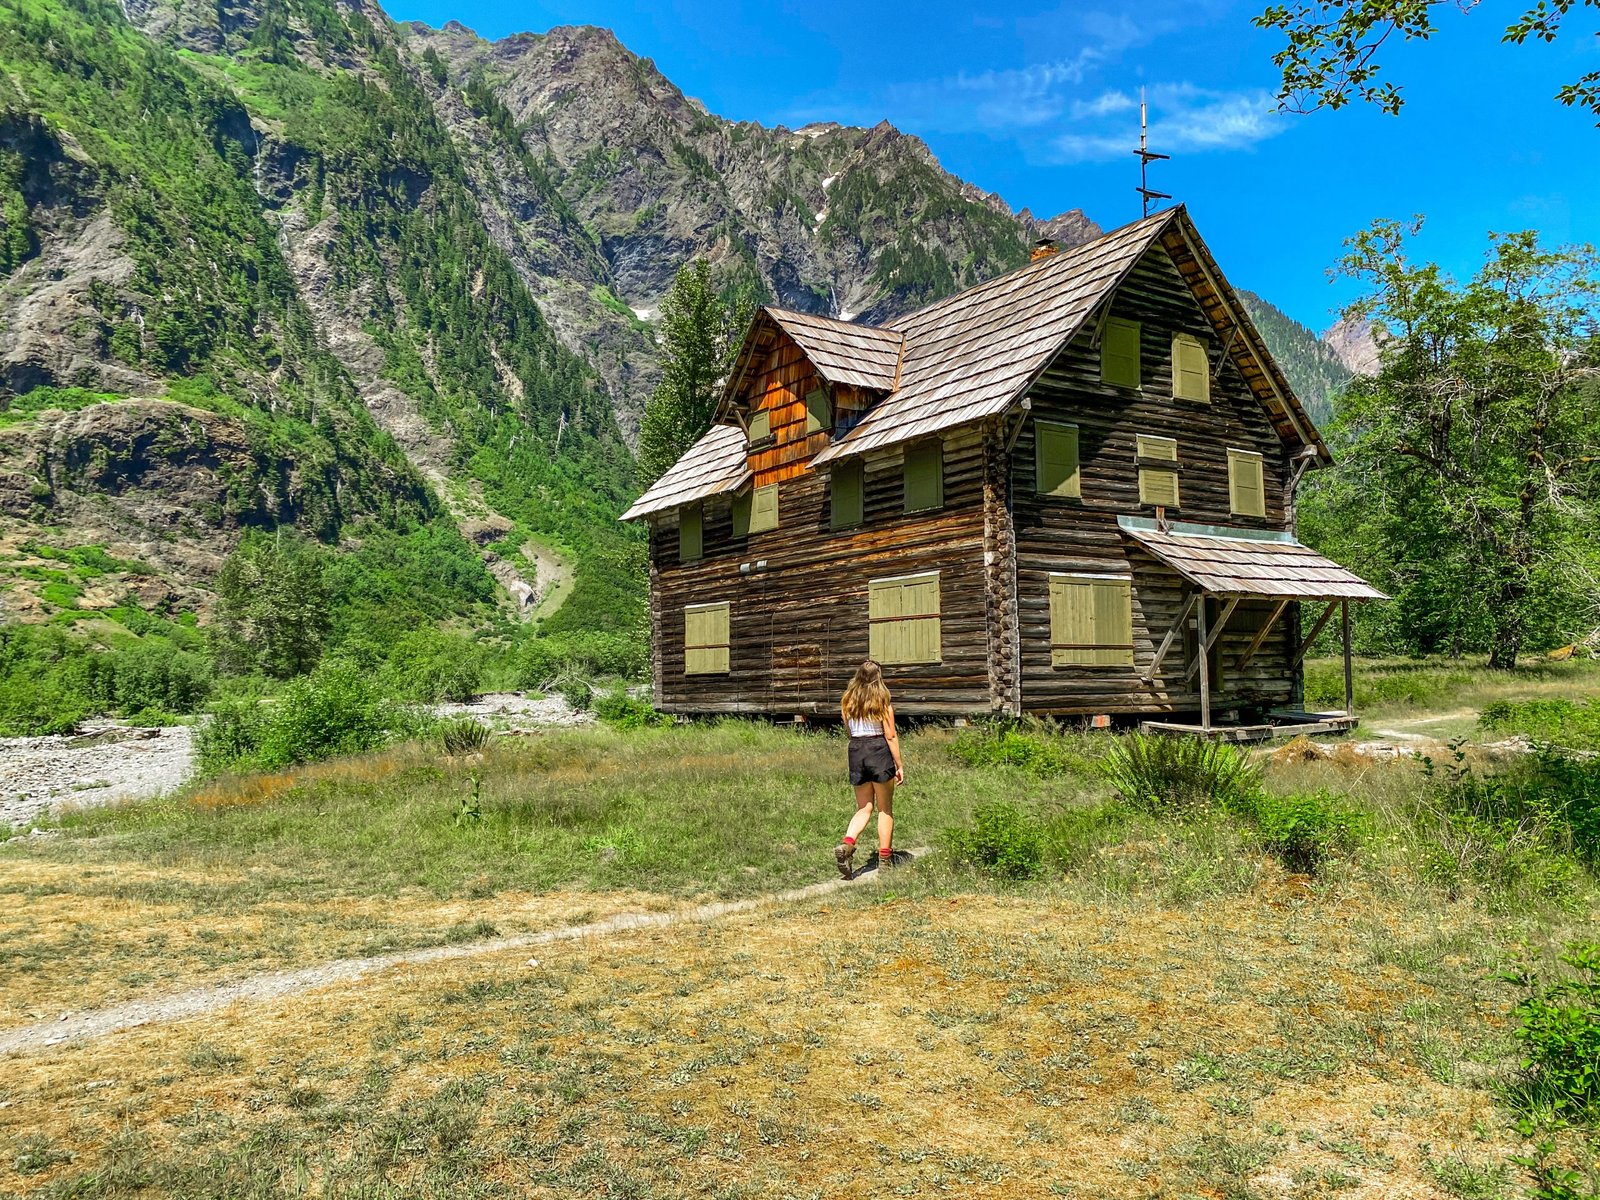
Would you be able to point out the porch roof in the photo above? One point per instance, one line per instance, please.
(1228, 561)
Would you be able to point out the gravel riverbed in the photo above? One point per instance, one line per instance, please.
(108, 762)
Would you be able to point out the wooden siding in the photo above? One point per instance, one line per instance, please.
(1062, 534)
(798, 626)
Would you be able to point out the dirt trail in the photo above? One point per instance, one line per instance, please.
(43, 1036)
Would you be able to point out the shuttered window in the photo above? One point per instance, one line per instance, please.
(1119, 352)
(741, 514)
(819, 412)
(1091, 621)
(764, 509)
(1055, 452)
(904, 617)
(1157, 485)
(847, 494)
(1247, 493)
(924, 476)
(690, 530)
(760, 426)
(1191, 368)
(705, 639)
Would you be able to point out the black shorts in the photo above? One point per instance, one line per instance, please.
(870, 760)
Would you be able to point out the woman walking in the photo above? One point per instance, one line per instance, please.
(875, 763)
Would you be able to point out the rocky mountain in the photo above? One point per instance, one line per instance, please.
(1353, 340)
(287, 262)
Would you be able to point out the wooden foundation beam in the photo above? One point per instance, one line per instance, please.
(1200, 661)
(1349, 682)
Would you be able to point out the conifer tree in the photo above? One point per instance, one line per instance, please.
(700, 333)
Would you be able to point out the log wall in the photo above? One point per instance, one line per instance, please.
(1081, 535)
(797, 595)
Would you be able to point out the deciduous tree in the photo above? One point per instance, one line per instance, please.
(1477, 444)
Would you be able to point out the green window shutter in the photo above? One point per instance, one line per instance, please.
(690, 533)
(847, 494)
(1091, 622)
(905, 621)
(1119, 353)
(760, 426)
(1055, 450)
(1157, 486)
(1191, 369)
(764, 509)
(705, 639)
(741, 514)
(924, 476)
(819, 412)
(1247, 493)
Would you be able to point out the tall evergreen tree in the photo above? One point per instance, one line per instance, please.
(700, 332)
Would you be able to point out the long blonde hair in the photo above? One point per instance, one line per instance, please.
(867, 697)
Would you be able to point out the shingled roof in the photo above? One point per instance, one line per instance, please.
(713, 465)
(844, 352)
(969, 356)
(1260, 563)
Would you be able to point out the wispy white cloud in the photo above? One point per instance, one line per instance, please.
(1183, 120)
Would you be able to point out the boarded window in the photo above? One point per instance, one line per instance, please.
(847, 494)
(760, 426)
(1191, 368)
(1091, 621)
(1247, 494)
(764, 509)
(1119, 352)
(819, 412)
(924, 476)
(1055, 452)
(705, 639)
(904, 616)
(690, 528)
(1157, 485)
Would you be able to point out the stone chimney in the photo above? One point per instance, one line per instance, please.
(1044, 248)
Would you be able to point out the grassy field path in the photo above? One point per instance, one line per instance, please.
(77, 1027)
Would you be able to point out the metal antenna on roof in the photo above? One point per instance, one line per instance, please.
(1146, 157)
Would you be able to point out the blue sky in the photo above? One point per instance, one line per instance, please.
(1038, 103)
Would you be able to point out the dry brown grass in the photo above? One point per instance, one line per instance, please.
(1293, 1041)
(70, 944)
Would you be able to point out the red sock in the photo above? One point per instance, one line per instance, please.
(849, 841)
(885, 853)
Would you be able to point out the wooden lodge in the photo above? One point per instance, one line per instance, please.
(1068, 490)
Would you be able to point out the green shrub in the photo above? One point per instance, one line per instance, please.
(1036, 751)
(1558, 1028)
(462, 736)
(428, 665)
(1302, 831)
(1002, 841)
(337, 709)
(542, 661)
(1179, 775)
(578, 694)
(622, 711)
(155, 677)
(1561, 722)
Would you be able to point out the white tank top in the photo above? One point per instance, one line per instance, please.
(862, 728)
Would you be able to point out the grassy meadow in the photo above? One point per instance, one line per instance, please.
(1078, 994)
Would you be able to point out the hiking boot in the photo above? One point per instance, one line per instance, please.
(844, 855)
(886, 861)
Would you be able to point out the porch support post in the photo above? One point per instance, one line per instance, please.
(1208, 643)
(1349, 683)
(1322, 621)
(1200, 661)
(1166, 642)
(1261, 636)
